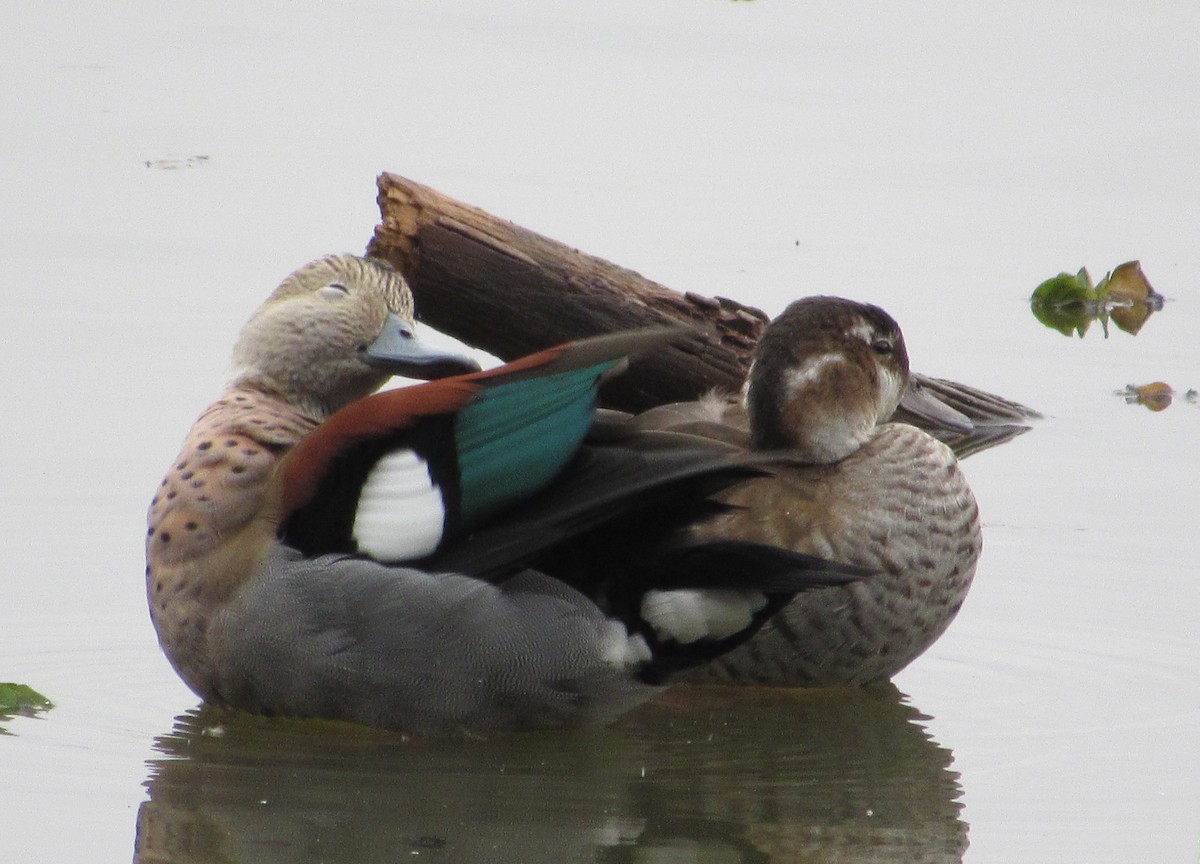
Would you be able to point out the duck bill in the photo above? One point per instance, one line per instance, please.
(920, 402)
(397, 350)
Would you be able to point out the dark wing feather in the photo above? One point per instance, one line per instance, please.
(602, 486)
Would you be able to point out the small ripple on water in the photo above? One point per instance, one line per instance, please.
(109, 699)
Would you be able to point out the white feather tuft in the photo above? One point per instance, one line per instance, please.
(620, 649)
(686, 616)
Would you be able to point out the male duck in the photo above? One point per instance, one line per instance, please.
(274, 543)
(827, 374)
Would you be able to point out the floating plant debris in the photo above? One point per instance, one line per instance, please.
(1070, 303)
(1156, 396)
(21, 699)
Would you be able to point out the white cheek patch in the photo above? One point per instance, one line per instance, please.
(811, 371)
(688, 615)
(891, 389)
(400, 511)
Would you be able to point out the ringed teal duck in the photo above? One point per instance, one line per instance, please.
(887, 496)
(318, 551)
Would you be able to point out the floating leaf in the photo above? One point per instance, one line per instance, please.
(1130, 297)
(1069, 303)
(1066, 303)
(21, 699)
(1156, 396)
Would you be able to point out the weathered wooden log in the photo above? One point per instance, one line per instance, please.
(511, 291)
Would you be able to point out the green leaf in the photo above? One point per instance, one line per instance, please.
(21, 699)
(1065, 290)
(1069, 303)
(1065, 303)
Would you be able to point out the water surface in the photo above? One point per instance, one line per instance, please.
(939, 161)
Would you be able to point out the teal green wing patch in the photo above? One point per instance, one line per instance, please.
(515, 437)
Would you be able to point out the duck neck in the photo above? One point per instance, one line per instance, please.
(298, 400)
(219, 483)
(821, 413)
(812, 433)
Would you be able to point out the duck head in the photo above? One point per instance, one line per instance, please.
(333, 332)
(826, 372)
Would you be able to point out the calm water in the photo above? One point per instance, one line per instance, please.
(940, 162)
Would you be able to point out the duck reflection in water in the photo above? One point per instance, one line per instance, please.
(703, 773)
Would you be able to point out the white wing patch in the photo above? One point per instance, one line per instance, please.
(687, 615)
(400, 511)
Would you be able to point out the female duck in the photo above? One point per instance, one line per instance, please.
(271, 556)
(886, 496)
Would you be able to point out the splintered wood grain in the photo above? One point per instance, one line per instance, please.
(511, 291)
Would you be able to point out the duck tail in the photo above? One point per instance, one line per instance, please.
(744, 566)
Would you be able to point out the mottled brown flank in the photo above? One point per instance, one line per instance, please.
(195, 549)
(899, 505)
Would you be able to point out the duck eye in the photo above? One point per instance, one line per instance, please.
(333, 291)
(882, 347)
